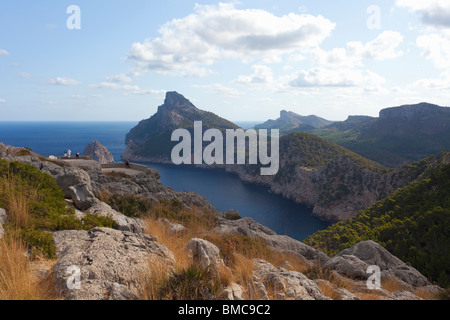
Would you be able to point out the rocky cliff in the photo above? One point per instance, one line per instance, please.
(341, 188)
(98, 152)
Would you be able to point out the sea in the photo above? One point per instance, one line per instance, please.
(223, 190)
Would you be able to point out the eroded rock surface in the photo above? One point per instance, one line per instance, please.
(111, 263)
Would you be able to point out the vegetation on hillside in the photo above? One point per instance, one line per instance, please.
(36, 205)
(313, 152)
(412, 223)
(404, 134)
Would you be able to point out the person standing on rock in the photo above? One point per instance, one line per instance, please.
(69, 153)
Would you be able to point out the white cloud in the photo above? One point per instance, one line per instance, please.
(2, 101)
(188, 46)
(25, 75)
(127, 89)
(434, 12)
(219, 89)
(119, 78)
(322, 77)
(78, 96)
(47, 102)
(383, 47)
(59, 81)
(433, 84)
(3, 52)
(261, 75)
(442, 83)
(436, 47)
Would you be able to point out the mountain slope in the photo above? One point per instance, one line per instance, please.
(400, 134)
(413, 224)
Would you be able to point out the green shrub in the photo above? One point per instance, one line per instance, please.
(44, 205)
(413, 224)
(131, 206)
(92, 220)
(193, 283)
(40, 241)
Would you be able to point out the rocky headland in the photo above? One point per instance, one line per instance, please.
(98, 152)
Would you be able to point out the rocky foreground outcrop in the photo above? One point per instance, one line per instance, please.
(250, 228)
(112, 264)
(355, 261)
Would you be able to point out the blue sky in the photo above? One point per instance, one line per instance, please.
(244, 61)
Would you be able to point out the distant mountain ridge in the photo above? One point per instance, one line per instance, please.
(290, 121)
(399, 135)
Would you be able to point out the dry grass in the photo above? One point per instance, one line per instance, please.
(328, 289)
(369, 296)
(237, 251)
(17, 198)
(17, 280)
(426, 294)
(176, 243)
(391, 284)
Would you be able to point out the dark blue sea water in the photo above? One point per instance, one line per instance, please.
(223, 190)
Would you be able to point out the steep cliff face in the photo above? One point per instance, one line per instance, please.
(98, 152)
(338, 188)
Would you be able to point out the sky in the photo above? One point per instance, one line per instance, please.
(243, 60)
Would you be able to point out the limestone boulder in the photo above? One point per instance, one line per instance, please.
(286, 284)
(124, 223)
(253, 229)
(371, 253)
(104, 264)
(204, 253)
